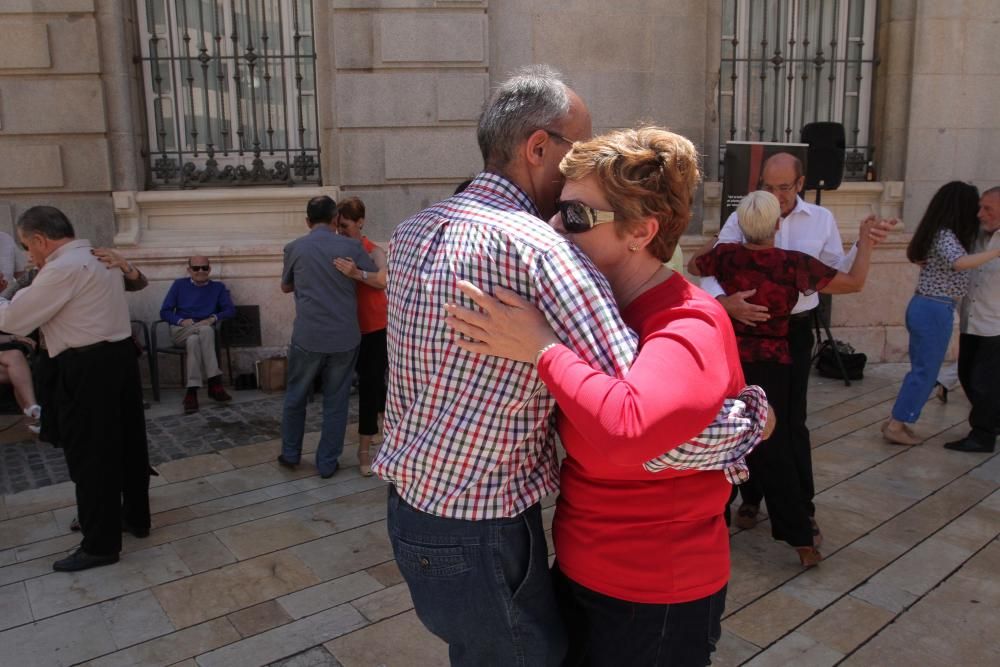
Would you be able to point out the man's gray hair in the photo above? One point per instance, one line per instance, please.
(995, 190)
(534, 98)
(48, 221)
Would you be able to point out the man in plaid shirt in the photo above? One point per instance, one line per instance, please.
(470, 440)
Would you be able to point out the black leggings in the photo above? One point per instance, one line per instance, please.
(373, 360)
(605, 631)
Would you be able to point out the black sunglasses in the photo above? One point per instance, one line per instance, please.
(199, 267)
(577, 217)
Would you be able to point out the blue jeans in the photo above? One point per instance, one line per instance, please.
(337, 370)
(482, 586)
(929, 322)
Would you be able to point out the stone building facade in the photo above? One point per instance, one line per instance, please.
(398, 88)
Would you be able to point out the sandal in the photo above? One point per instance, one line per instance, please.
(899, 435)
(941, 392)
(365, 461)
(817, 536)
(746, 516)
(809, 556)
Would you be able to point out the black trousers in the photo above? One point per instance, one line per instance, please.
(44, 372)
(102, 430)
(979, 373)
(800, 343)
(373, 360)
(608, 632)
(773, 465)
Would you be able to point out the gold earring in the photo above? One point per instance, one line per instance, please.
(633, 247)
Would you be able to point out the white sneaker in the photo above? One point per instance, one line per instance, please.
(34, 413)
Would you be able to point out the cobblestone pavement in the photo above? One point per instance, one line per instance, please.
(29, 464)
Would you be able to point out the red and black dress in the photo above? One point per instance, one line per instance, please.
(778, 276)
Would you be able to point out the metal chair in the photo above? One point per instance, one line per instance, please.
(143, 330)
(180, 351)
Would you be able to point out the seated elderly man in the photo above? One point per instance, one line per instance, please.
(191, 307)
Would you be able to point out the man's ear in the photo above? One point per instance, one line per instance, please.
(535, 147)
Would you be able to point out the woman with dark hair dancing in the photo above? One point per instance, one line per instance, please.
(941, 247)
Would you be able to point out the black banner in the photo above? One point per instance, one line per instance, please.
(743, 165)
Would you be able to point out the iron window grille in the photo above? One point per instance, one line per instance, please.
(786, 63)
(230, 92)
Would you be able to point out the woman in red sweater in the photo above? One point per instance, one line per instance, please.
(373, 356)
(642, 558)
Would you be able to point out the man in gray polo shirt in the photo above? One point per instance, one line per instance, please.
(325, 335)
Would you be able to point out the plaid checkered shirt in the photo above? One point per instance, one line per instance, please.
(472, 436)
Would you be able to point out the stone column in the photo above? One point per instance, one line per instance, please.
(890, 120)
(122, 92)
(954, 110)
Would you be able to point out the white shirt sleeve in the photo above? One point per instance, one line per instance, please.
(730, 233)
(832, 252)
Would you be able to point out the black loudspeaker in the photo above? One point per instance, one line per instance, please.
(825, 164)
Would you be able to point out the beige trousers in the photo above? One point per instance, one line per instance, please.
(201, 359)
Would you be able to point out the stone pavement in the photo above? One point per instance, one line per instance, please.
(250, 418)
(250, 564)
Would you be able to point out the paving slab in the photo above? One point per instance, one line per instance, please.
(251, 564)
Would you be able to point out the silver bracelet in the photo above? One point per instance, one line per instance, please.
(542, 351)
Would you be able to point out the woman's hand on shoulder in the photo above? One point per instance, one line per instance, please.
(506, 325)
(346, 266)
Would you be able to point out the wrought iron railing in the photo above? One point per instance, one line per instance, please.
(786, 63)
(229, 92)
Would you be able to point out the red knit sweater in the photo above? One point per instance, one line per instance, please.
(619, 530)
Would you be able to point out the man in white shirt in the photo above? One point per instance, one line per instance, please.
(979, 342)
(813, 230)
(81, 309)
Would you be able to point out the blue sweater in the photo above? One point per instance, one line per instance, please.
(185, 300)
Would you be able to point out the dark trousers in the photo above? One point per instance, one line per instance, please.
(607, 631)
(373, 359)
(482, 586)
(44, 374)
(979, 373)
(800, 343)
(103, 433)
(772, 464)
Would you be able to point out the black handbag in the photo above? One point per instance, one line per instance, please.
(826, 361)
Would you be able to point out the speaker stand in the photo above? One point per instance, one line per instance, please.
(820, 322)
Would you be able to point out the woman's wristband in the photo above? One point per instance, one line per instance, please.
(538, 357)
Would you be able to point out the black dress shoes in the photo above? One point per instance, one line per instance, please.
(81, 560)
(285, 463)
(969, 445)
